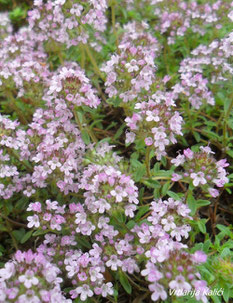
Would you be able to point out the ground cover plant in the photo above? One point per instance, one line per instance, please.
(116, 135)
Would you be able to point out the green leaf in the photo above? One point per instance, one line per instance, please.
(227, 102)
(85, 137)
(141, 193)
(191, 204)
(200, 203)
(173, 195)
(162, 174)
(39, 232)
(135, 163)
(201, 225)
(9, 207)
(197, 136)
(230, 153)
(226, 294)
(3, 227)
(152, 183)
(225, 230)
(139, 173)
(18, 234)
(211, 135)
(130, 224)
(141, 211)
(17, 14)
(226, 252)
(165, 188)
(206, 246)
(83, 242)
(125, 282)
(119, 132)
(21, 203)
(26, 237)
(216, 299)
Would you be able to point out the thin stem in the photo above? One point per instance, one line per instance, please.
(93, 61)
(148, 197)
(225, 125)
(161, 178)
(83, 56)
(13, 222)
(135, 284)
(147, 161)
(90, 133)
(59, 53)
(114, 22)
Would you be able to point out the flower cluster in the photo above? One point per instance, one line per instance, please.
(180, 18)
(208, 65)
(6, 27)
(170, 215)
(137, 34)
(70, 84)
(29, 277)
(56, 148)
(87, 273)
(55, 247)
(164, 228)
(177, 271)
(67, 22)
(156, 122)
(12, 140)
(131, 71)
(108, 190)
(50, 217)
(23, 67)
(88, 219)
(201, 169)
(168, 264)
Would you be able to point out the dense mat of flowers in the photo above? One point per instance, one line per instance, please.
(96, 217)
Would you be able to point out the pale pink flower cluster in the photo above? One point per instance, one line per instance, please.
(176, 271)
(180, 18)
(208, 65)
(6, 27)
(109, 190)
(131, 71)
(156, 122)
(201, 169)
(30, 277)
(23, 65)
(66, 22)
(70, 84)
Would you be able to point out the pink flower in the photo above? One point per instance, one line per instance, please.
(213, 192)
(199, 257)
(198, 178)
(158, 292)
(148, 141)
(107, 289)
(179, 284)
(179, 160)
(176, 177)
(84, 292)
(130, 137)
(33, 221)
(113, 262)
(188, 153)
(28, 279)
